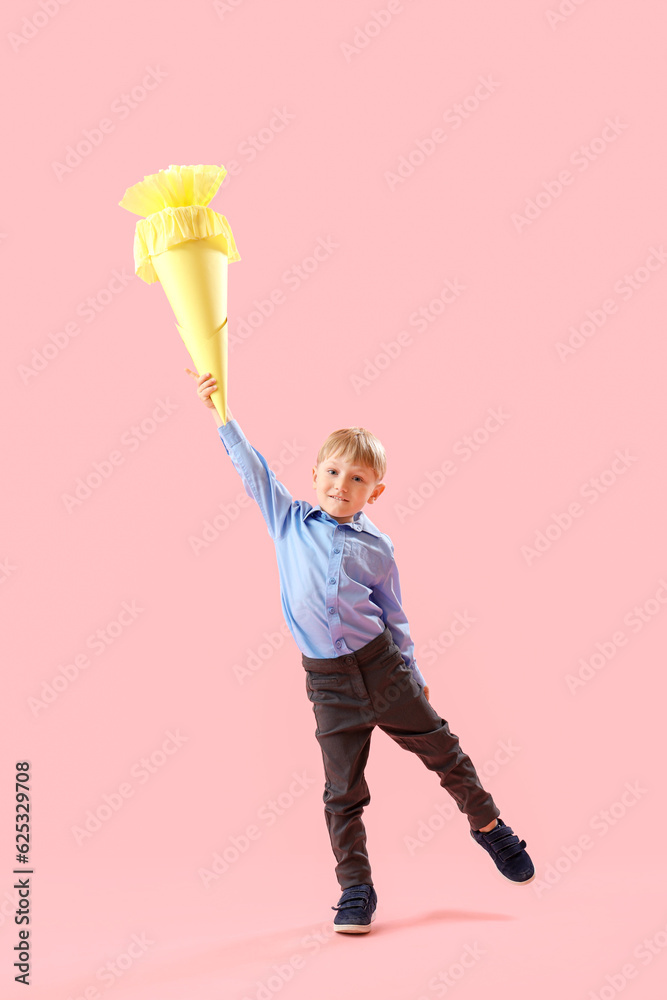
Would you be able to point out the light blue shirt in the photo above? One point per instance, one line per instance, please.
(339, 583)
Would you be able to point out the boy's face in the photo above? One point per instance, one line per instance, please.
(343, 489)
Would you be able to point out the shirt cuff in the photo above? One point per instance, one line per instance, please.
(230, 433)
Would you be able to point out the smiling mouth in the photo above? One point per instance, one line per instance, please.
(339, 498)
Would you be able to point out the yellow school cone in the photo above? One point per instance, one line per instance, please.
(187, 248)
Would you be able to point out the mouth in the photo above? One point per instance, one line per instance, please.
(341, 499)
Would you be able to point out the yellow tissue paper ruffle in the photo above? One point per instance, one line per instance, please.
(165, 229)
(194, 185)
(174, 202)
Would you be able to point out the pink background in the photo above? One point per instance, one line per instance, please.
(362, 89)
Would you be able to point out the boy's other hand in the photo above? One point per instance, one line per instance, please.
(206, 384)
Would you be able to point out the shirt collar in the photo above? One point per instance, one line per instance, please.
(359, 521)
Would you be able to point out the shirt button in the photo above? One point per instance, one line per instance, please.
(332, 580)
(331, 611)
(336, 550)
(339, 642)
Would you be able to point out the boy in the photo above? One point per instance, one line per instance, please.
(341, 599)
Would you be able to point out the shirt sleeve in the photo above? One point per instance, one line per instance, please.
(388, 596)
(260, 482)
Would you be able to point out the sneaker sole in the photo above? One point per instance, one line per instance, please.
(515, 882)
(354, 928)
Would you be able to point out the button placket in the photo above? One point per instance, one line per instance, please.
(333, 576)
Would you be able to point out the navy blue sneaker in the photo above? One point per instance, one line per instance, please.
(507, 851)
(356, 909)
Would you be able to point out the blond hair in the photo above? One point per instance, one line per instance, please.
(357, 446)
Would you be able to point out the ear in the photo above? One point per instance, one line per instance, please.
(376, 492)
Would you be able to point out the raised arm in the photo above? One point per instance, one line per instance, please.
(218, 418)
(272, 497)
(259, 481)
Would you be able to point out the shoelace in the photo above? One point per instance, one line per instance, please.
(351, 896)
(505, 842)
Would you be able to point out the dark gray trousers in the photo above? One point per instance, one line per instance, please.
(350, 695)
